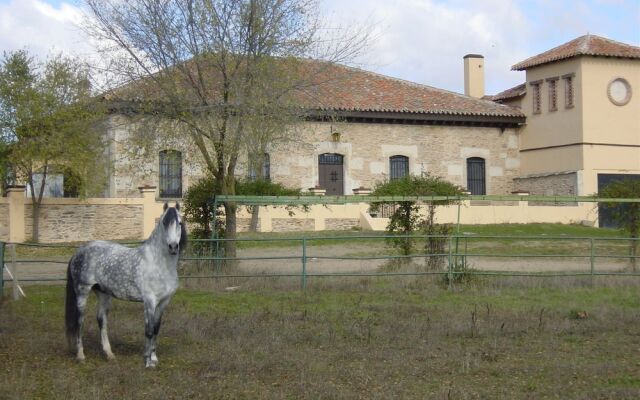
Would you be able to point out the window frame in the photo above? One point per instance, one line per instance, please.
(536, 96)
(396, 163)
(471, 175)
(170, 174)
(553, 93)
(569, 90)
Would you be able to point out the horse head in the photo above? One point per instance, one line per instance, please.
(175, 232)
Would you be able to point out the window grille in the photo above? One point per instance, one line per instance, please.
(476, 183)
(398, 167)
(568, 92)
(553, 94)
(170, 179)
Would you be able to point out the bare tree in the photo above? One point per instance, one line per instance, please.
(219, 69)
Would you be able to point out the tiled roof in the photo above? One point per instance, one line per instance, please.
(590, 45)
(338, 88)
(512, 93)
(352, 89)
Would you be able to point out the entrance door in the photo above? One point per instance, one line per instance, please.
(331, 170)
(605, 214)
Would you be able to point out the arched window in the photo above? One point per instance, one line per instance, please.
(476, 183)
(170, 179)
(398, 167)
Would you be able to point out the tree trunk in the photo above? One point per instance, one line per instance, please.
(255, 218)
(230, 209)
(35, 232)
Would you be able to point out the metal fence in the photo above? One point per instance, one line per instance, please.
(360, 255)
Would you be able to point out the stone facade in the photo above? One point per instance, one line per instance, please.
(366, 149)
(563, 184)
(82, 222)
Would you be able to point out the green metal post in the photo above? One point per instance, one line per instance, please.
(592, 260)
(214, 234)
(458, 231)
(1, 269)
(450, 273)
(303, 281)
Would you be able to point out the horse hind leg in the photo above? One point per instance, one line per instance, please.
(82, 293)
(104, 303)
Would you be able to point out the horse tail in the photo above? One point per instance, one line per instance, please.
(71, 309)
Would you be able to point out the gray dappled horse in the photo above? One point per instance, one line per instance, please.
(147, 274)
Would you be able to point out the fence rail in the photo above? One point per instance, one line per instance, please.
(456, 254)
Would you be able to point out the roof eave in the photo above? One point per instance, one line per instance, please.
(488, 120)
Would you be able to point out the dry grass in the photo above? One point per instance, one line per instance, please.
(342, 338)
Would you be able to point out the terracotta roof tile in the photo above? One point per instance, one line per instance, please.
(590, 45)
(335, 87)
(352, 89)
(516, 91)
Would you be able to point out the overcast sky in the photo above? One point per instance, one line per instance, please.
(418, 40)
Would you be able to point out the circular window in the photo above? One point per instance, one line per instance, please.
(619, 91)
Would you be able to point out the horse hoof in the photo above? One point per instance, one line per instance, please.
(150, 363)
(80, 360)
(110, 357)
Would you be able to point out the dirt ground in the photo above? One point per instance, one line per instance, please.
(275, 262)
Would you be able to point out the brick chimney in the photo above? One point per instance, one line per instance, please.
(474, 75)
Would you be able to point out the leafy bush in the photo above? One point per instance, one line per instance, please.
(407, 218)
(626, 215)
(198, 202)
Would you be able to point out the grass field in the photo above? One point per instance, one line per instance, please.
(342, 339)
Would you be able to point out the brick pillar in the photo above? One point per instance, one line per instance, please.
(16, 195)
(149, 209)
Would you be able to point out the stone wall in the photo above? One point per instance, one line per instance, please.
(243, 224)
(4, 222)
(293, 224)
(549, 185)
(366, 148)
(83, 222)
(341, 224)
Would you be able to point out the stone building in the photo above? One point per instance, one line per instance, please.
(570, 128)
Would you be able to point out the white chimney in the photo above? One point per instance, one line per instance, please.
(474, 75)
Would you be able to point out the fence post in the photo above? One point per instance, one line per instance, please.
(303, 281)
(450, 267)
(14, 272)
(1, 269)
(592, 260)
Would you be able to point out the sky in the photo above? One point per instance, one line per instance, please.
(422, 41)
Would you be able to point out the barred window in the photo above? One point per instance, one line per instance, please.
(536, 98)
(553, 94)
(398, 167)
(568, 91)
(476, 183)
(170, 179)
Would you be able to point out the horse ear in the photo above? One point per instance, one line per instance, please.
(177, 206)
(166, 205)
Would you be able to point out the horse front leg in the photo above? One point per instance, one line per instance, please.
(149, 326)
(156, 327)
